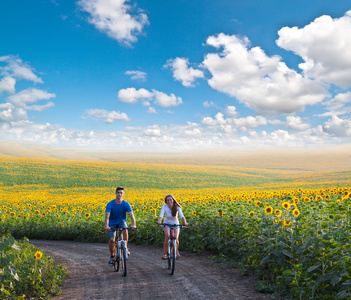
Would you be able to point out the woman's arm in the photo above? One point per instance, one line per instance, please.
(184, 221)
(159, 222)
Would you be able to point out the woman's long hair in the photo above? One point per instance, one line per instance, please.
(175, 205)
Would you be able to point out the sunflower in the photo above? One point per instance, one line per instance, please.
(220, 214)
(38, 255)
(194, 213)
(37, 212)
(278, 212)
(268, 210)
(251, 214)
(258, 203)
(296, 212)
(12, 214)
(286, 223)
(286, 205)
(87, 215)
(249, 202)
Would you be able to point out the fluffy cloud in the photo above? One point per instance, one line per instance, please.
(296, 123)
(109, 116)
(7, 84)
(182, 72)
(340, 127)
(114, 19)
(325, 47)
(29, 96)
(132, 95)
(263, 83)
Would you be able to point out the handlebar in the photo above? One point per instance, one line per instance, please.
(174, 225)
(120, 229)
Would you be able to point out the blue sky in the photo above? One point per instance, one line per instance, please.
(175, 75)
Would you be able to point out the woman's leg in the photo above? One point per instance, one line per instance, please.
(176, 233)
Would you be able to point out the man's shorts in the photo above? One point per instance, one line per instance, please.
(112, 234)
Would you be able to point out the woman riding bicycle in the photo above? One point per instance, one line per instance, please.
(171, 209)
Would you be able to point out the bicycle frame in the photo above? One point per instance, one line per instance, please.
(121, 254)
(172, 246)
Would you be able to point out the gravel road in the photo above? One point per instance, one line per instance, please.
(90, 276)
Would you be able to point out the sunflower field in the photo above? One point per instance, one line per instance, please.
(292, 230)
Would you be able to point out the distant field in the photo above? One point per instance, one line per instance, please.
(55, 173)
(336, 158)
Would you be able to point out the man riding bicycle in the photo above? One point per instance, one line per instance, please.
(116, 217)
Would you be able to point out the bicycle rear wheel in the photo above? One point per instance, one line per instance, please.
(116, 260)
(172, 257)
(124, 259)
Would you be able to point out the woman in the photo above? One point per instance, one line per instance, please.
(171, 209)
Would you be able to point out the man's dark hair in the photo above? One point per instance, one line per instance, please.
(119, 188)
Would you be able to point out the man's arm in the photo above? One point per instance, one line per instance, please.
(131, 215)
(107, 218)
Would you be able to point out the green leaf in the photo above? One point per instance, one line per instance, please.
(310, 269)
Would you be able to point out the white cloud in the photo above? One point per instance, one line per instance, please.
(324, 45)
(151, 110)
(230, 111)
(208, 104)
(16, 68)
(340, 127)
(30, 95)
(338, 105)
(132, 95)
(7, 84)
(109, 116)
(262, 83)
(165, 100)
(296, 123)
(114, 18)
(154, 130)
(250, 121)
(137, 75)
(182, 72)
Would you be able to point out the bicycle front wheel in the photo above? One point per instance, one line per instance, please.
(173, 256)
(116, 260)
(124, 259)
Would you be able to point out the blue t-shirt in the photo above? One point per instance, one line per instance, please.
(118, 212)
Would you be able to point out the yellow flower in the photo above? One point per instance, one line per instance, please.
(286, 205)
(220, 214)
(296, 212)
(37, 212)
(87, 215)
(251, 214)
(286, 223)
(12, 214)
(278, 212)
(258, 203)
(268, 210)
(194, 213)
(38, 255)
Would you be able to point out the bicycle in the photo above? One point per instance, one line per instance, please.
(172, 246)
(120, 255)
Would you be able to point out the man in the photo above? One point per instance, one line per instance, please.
(116, 217)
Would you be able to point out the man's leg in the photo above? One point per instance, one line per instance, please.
(111, 245)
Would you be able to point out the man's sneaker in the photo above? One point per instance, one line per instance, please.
(111, 261)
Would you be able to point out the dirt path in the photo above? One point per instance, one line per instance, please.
(90, 276)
